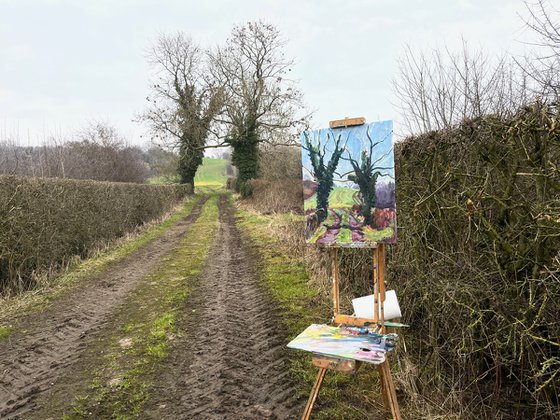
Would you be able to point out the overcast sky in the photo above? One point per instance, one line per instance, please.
(64, 63)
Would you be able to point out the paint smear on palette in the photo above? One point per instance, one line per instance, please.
(327, 340)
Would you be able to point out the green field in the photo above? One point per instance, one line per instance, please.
(339, 197)
(211, 173)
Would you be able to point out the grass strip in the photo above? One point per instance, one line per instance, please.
(36, 300)
(145, 326)
(342, 396)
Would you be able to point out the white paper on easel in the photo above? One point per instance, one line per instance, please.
(363, 306)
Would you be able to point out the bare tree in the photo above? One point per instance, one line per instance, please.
(542, 66)
(443, 88)
(183, 104)
(102, 154)
(260, 99)
(163, 162)
(98, 153)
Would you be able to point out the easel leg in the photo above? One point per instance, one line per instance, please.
(335, 271)
(388, 390)
(383, 386)
(314, 393)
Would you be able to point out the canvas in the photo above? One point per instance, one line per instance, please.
(337, 342)
(349, 185)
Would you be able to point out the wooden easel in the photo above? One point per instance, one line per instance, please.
(325, 363)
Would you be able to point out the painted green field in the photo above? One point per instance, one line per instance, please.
(339, 197)
(211, 173)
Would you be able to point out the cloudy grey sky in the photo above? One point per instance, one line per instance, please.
(64, 63)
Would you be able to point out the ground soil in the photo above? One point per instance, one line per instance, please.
(231, 360)
(228, 362)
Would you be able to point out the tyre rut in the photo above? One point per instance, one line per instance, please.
(231, 361)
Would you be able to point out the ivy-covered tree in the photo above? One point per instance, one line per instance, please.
(260, 99)
(365, 175)
(323, 173)
(183, 104)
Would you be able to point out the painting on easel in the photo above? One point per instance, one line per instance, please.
(349, 185)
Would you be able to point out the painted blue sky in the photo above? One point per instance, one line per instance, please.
(355, 140)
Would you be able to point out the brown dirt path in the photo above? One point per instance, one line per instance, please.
(48, 343)
(231, 360)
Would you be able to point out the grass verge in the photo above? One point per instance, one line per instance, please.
(144, 328)
(342, 396)
(13, 308)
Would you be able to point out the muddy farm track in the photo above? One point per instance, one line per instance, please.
(231, 363)
(228, 362)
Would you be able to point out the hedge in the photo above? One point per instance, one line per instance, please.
(46, 221)
(477, 265)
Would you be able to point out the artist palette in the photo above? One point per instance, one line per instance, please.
(345, 342)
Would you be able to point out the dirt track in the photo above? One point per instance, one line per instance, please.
(49, 342)
(229, 362)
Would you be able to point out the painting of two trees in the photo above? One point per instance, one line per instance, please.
(349, 185)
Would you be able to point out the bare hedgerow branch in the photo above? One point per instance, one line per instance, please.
(440, 89)
(542, 65)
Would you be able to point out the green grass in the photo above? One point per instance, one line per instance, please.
(37, 300)
(375, 235)
(342, 396)
(147, 322)
(211, 173)
(4, 331)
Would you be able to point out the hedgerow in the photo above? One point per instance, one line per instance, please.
(44, 222)
(477, 265)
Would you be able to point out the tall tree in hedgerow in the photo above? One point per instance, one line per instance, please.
(183, 103)
(259, 98)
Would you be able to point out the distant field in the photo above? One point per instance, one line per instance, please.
(211, 173)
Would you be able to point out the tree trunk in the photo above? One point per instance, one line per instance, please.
(370, 201)
(189, 161)
(323, 191)
(245, 157)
